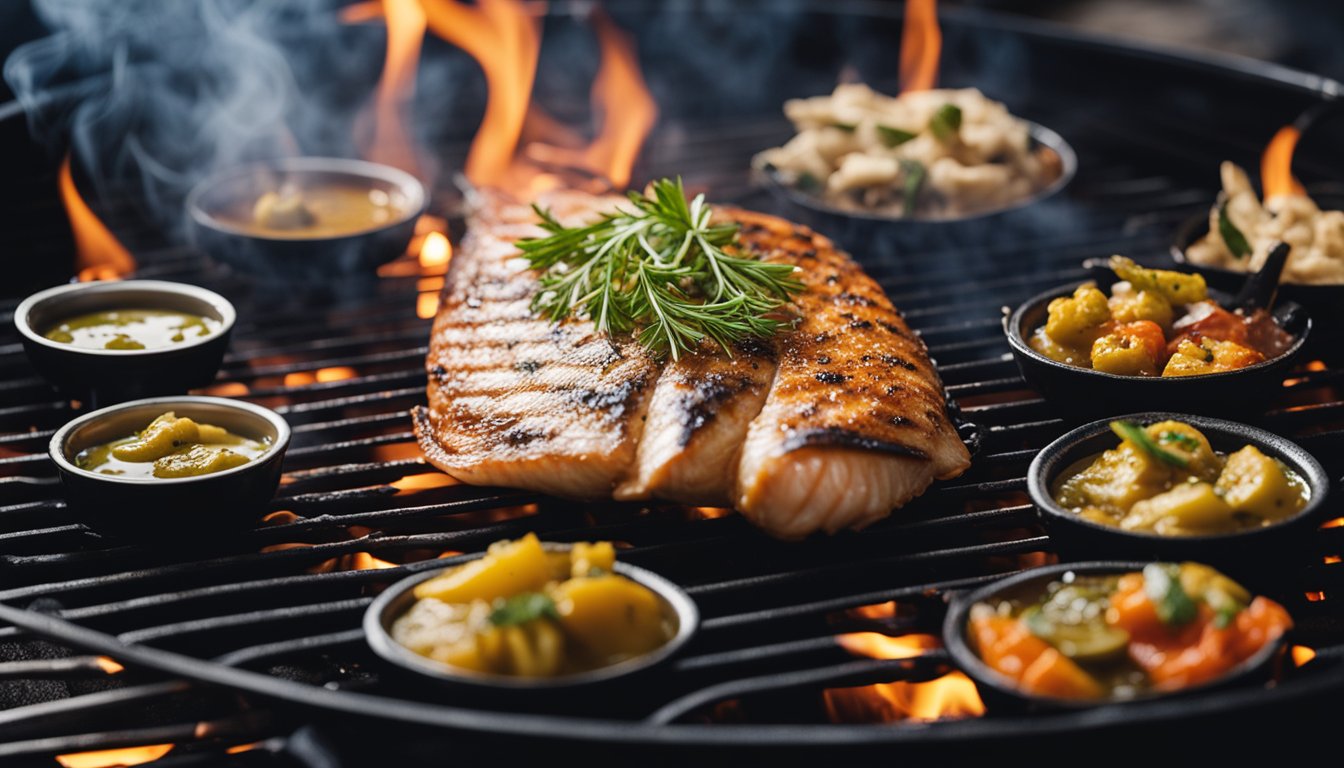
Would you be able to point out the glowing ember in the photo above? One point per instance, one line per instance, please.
(335, 373)
(110, 666)
(880, 646)
(1331, 559)
(879, 611)
(1276, 165)
(1302, 654)
(363, 561)
(412, 483)
(436, 251)
(427, 305)
(108, 758)
(711, 513)
(240, 748)
(921, 45)
(1335, 523)
(226, 389)
(98, 253)
(1315, 597)
(505, 40)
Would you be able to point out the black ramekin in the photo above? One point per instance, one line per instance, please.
(103, 376)
(612, 689)
(1075, 392)
(170, 507)
(301, 258)
(1241, 553)
(1001, 695)
(872, 235)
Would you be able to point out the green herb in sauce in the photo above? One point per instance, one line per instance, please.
(131, 329)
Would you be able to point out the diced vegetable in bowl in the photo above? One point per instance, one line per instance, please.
(1090, 633)
(1177, 486)
(530, 614)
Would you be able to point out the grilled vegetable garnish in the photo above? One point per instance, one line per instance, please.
(662, 271)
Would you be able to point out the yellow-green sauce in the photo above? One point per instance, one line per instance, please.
(319, 210)
(131, 329)
(172, 447)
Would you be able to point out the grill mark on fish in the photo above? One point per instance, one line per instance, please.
(828, 425)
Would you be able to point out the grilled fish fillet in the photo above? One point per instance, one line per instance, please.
(824, 427)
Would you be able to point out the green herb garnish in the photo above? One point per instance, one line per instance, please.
(1185, 441)
(808, 183)
(1235, 240)
(522, 608)
(946, 122)
(661, 271)
(846, 127)
(1162, 585)
(1128, 430)
(893, 137)
(914, 181)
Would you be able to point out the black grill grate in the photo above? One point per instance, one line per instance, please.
(285, 601)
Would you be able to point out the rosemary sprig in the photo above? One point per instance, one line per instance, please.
(661, 271)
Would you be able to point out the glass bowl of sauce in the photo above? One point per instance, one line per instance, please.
(103, 343)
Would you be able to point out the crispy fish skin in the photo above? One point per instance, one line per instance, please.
(856, 422)
(826, 426)
(515, 400)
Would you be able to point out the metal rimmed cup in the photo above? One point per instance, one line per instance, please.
(1001, 693)
(160, 507)
(527, 691)
(300, 256)
(102, 376)
(1243, 552)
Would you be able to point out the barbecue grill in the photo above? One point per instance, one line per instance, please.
(249, 648)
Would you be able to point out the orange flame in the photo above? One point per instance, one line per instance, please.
(921, 45)
(505, 40)
(1302, 654)
(98, 253)
(107, 758)
(880, 646)
(110, 666)
(390, 141)
(876, 611)
(1276, 165)
(626, 110)
(951, 696)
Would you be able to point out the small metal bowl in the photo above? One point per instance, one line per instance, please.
(103, 376)
(1083, 392)
(301, 257)
(867, 234)
(1002, 695)
(1246, 551)
(586, 689)
(1325, 302)
(165, 507)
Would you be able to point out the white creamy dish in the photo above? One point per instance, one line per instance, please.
(924, 154)
(1243, 239)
